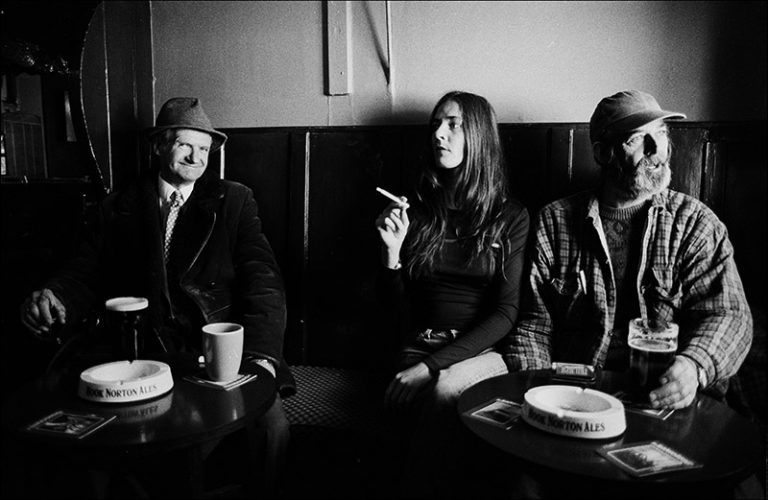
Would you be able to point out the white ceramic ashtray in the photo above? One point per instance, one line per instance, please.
(125, 381)
(574, 411)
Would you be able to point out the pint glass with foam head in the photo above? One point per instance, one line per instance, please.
(652, 349)
(125, 319)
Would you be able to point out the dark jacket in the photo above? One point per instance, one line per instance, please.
(221, 263)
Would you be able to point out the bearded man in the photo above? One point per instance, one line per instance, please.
(633, 248)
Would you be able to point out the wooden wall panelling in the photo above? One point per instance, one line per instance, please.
(740, 156)
(123, 132)
(295, 270)
(526, 152)
(345, 167)
(572, 167)
(416, 149)
(118, 90)
(129, 87)
(262, 160)
(560, 159)
(144, 76)
(712, 185)
(688, 159)
(586, 171)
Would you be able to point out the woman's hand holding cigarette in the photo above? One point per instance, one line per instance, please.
(392, 225)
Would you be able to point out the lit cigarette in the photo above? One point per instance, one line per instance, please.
(390, 195)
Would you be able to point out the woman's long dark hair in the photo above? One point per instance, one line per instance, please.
(480, 192)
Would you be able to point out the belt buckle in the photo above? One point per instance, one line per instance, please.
(430, 334)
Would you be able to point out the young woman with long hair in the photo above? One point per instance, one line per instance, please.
(454, 257)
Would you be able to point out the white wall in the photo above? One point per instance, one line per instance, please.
(260, 64)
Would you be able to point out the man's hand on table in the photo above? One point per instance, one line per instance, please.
(678, 385)
(41, 311)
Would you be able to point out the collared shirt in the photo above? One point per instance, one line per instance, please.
(687, 274)
(165, 190)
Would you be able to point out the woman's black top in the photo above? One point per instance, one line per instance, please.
(463, 296)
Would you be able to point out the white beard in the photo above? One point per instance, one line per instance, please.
(640, 181)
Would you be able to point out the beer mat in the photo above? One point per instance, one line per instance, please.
(231, 384)
(631, 403)
(647, 458)
(498, 411)
(70, 424)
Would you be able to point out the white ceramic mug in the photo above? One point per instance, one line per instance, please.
(223, 350)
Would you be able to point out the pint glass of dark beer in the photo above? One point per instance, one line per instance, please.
(125, 319)
(652, 350)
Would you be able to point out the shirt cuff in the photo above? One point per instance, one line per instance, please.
(264, 363)
(434, 370)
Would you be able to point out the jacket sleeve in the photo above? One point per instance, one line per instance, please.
(715, 320)
(528, 345)
(260, 291)
(78, 282)
(504, 311)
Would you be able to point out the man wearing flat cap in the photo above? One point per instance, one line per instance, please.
(191, 244)
(632, 248)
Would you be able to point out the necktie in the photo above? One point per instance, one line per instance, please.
(172, 215)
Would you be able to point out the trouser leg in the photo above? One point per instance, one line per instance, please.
(268, 441)
(441, 451)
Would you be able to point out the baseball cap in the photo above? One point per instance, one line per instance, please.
(624, 111)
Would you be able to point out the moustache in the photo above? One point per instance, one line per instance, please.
(650, 163)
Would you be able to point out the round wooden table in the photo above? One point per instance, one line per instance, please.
(729, 446)
(189, 419)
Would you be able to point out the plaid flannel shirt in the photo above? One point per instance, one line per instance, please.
(687, 274)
